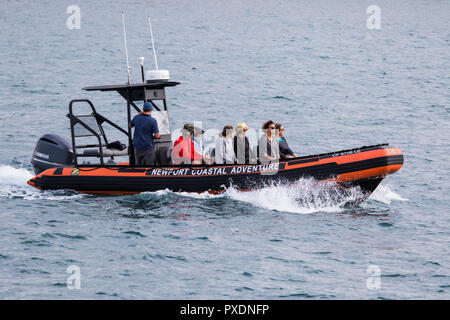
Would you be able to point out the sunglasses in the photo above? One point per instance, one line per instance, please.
(272, 128)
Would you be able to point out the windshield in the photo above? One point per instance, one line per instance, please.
(162, 117)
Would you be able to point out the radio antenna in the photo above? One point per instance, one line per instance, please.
(153, 44)
(142, 68)
(126, 48)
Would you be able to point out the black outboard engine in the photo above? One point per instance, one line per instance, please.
(51, 151)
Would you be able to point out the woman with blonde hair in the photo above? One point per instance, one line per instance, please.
(241, 144)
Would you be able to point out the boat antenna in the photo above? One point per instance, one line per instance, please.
(142, 68)
(153, 44)
(155, 75)
(126, 48)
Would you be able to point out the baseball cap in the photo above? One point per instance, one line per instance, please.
(147, 106)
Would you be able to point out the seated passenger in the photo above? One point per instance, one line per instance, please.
(224, 146)
(198, 140)
(241, 144)
(183, 148)
(285, 151)
(268, 146)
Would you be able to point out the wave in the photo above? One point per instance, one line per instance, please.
(383, 193)
(194, 195)
(305, 196)
(13, 176)
(13, 184)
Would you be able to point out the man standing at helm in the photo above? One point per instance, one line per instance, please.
(145, 130)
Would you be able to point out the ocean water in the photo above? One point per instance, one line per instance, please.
(313, 66)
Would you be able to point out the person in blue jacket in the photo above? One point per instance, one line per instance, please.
(145, 130)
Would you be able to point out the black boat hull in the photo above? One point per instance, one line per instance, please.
(363, 167)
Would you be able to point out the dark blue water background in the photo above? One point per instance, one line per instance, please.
(315, 67)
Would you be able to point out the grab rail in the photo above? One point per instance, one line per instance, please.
(74, 120)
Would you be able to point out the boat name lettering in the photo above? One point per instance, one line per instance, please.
(202, 172)
(215, 171)
(169, 172)
(256, 168)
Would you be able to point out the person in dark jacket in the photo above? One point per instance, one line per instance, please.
(145, 130)
(268, 144)
(241, 145)
(285, 151)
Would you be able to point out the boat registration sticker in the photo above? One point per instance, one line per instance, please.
(75, 172)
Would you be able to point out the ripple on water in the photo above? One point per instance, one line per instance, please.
(60, 284)
(34, 271)
(135, 233)
(63, 235)
(285, 260)
(158, 256)
(101, 293)
(281, 98)
(36, 243)
(240, 289)
(304, 296)
(386, 224)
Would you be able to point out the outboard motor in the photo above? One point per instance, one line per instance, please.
(51, 151)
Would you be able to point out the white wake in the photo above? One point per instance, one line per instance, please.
(13, 184)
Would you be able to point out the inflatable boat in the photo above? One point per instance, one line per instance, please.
(88, 163)
(363, 167)
(57, 161)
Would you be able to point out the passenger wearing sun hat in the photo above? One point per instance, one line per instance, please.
(184, 150)
(241, 144)
(188, 128)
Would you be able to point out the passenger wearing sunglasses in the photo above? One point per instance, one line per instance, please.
(268, 145)
(285, 151)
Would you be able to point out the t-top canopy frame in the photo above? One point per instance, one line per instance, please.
(138, 91)
(146, 91)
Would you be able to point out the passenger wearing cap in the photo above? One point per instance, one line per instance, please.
(183, 149)
(241, 144)
(145, 130)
